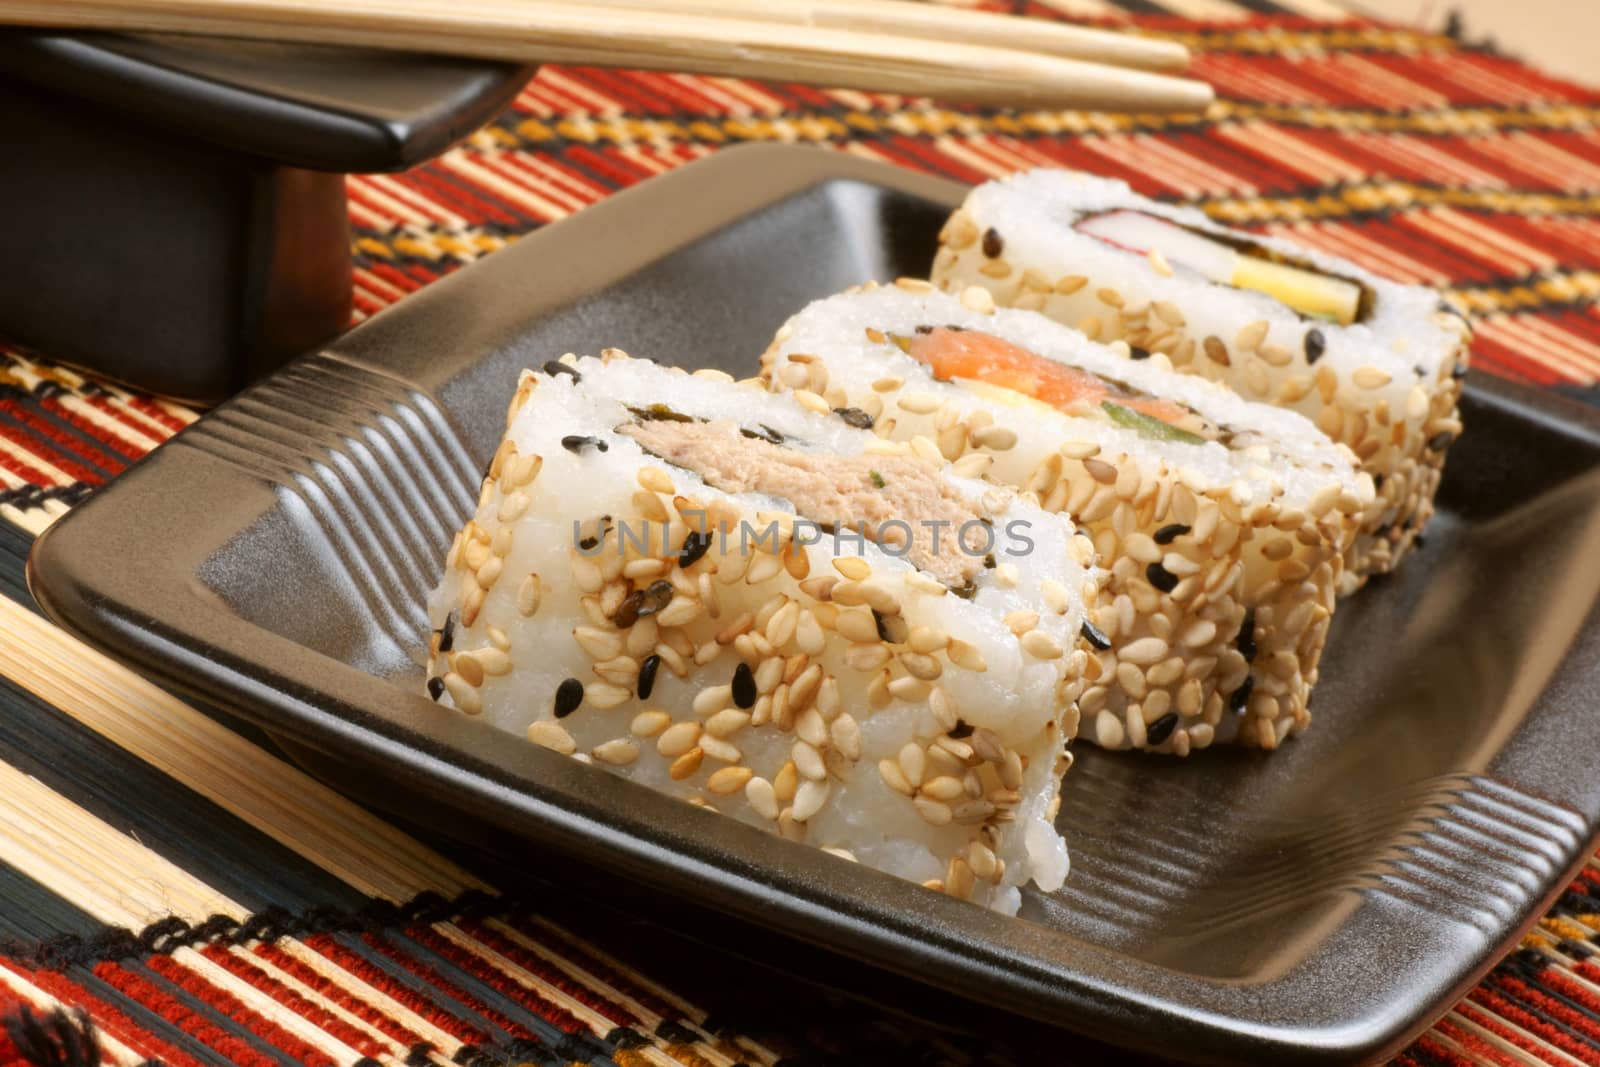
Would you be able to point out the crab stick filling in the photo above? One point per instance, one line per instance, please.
(1309, 292)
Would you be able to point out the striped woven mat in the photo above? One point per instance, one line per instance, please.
(173, 890)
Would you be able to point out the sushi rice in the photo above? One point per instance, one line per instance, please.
(823, 688)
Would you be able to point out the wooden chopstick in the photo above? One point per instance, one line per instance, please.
(605, 34)
(901, 18)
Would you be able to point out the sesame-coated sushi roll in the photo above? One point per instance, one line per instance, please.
(772, 613)
(1375, 364)
(1222, 522)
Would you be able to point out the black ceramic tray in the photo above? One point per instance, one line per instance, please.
(1316, 905)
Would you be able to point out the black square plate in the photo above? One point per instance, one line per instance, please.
(1320, 904)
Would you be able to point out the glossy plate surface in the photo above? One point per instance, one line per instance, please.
(1316, 905)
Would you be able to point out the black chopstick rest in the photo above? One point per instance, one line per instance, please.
(175, 211)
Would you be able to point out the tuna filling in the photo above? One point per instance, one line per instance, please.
(880, 495)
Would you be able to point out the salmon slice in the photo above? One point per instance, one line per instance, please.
(977, 356)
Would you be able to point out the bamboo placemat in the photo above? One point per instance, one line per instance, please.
(200, 901)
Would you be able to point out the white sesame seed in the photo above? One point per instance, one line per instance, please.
(618, 752)
(494, 661)
(921, 666)
(606, 695)
(1041, 645)
(894, 777)
(1369, 377)
(729, 780)
(853, 567)
(967, 656)
(464, 695)
(1108, 730)
(811, 728)
(720, 750)
(761, 797)
(678, 738)
(649, 723)
(810, 797)
(686, 764)
(976, 298)
(599, 644)
(995, 438)
(920, 403)
(808, 761)
(933, 811)
(1020, 622)
(811, 401)
(552, 735)
(467, 666)
(913, 762)
(911, 690)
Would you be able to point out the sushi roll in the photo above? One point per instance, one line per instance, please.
(1222, 523)
(748, 605)
(1375, 364)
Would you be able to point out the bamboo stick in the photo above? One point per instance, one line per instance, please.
(899, 18)
(329, 830)
(564, 32)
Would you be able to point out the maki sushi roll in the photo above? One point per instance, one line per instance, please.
(1375, 364)
(770, 612)
(1222, 523)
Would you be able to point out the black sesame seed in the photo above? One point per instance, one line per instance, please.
(1419, 542)
(989, 561)
(1440, 441)
(642, 602)
(966, 590)
(569, 694)
(1241, 696)
(993, 245)
(924, 328)
(766, 433)
(1419, 371)
(855, 417)
(647, 675)
(1377, 481)
(744, 686)
(447, 633)
(1161, 578)
(588, 543)
(1315, 345)
(1093, 634)
(961, 729)
(1168, 534)
(1135, 352)
(660, 413)
(657, 596)
(877, 619)
(555, 366)
(627, 612)
(1161, 729)
(1458, 371)
(1246, 641)
(694, 547)
(436, 688)
(576, 443)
